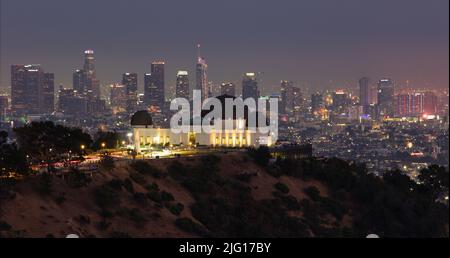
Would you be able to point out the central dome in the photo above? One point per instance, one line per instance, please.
(141, 118)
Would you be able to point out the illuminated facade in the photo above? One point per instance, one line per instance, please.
(146, 135)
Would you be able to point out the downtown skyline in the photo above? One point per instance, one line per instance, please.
(321, 51)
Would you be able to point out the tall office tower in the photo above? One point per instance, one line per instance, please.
(228, 88)
(341, 102)
(430, 103)
(297, 98)
(31, 90)
(78, 81)
(201, 76)
(411, 104)
(91, 83)
(71, 103)
(118, 98)
(316, 102)
(130, 81)
(4, 103)
(385, 93)
(182, 87)
(147, 89)
(286, 100)
(250, 86)
(297, 103)
(403, 103)
(154, 89)
(48, 94)
(364, 94)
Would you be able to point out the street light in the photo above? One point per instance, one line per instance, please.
(83, 147)
(103, 145)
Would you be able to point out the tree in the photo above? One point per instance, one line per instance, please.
(105, 140)
(45, 142)
(435, 179)
(261, 155)
(12, 160)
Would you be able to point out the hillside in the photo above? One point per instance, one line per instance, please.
(227, 195)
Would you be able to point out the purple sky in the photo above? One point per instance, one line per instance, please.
(321, 43)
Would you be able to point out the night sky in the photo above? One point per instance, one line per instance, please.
(319, 43)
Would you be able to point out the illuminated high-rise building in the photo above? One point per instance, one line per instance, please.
(250, 86)
(182, 85)
(154, 88)
(4, 104)
(78, 81)
(286, 97)
(385, 92)
(430, 103)
(364, 94)
(316, 102)
(32, 90)
(118, 98)
(130, 81)
(201, 76)
(48, 94)
(91, 83)
(228, 88)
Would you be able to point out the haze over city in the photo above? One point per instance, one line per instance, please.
(319, 44)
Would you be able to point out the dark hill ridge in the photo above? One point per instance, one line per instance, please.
(227, 195)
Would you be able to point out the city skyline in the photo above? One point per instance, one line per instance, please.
(320, 52)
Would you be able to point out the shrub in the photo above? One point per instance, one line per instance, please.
(134, 215)
(115, 184)
(145, 168)
(176, 209)
(76, 179)
(261, 155)
(104, 213)
(154, 196)
(45, 183)
(281, 187)
(152, 187)
(290, 202)
(312, 193)
(140, 198)
(60, 199)
(83, 220)
(138, 178)
(4, 226)
(186, 224)
(128, 185)
(166, 197)
(106, 196)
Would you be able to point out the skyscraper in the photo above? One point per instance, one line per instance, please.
(118, 98)
(201, 76)
(386, 97)
(130, 81)
(250, 86)
(228, 88)
(316, 102)
(154, 89)
(78, 81)
(182, 87)
(364, 94)
(430, 103)
(4, 103)
(32, 90)
(91, 83)
(48, 94)
(286, 97)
